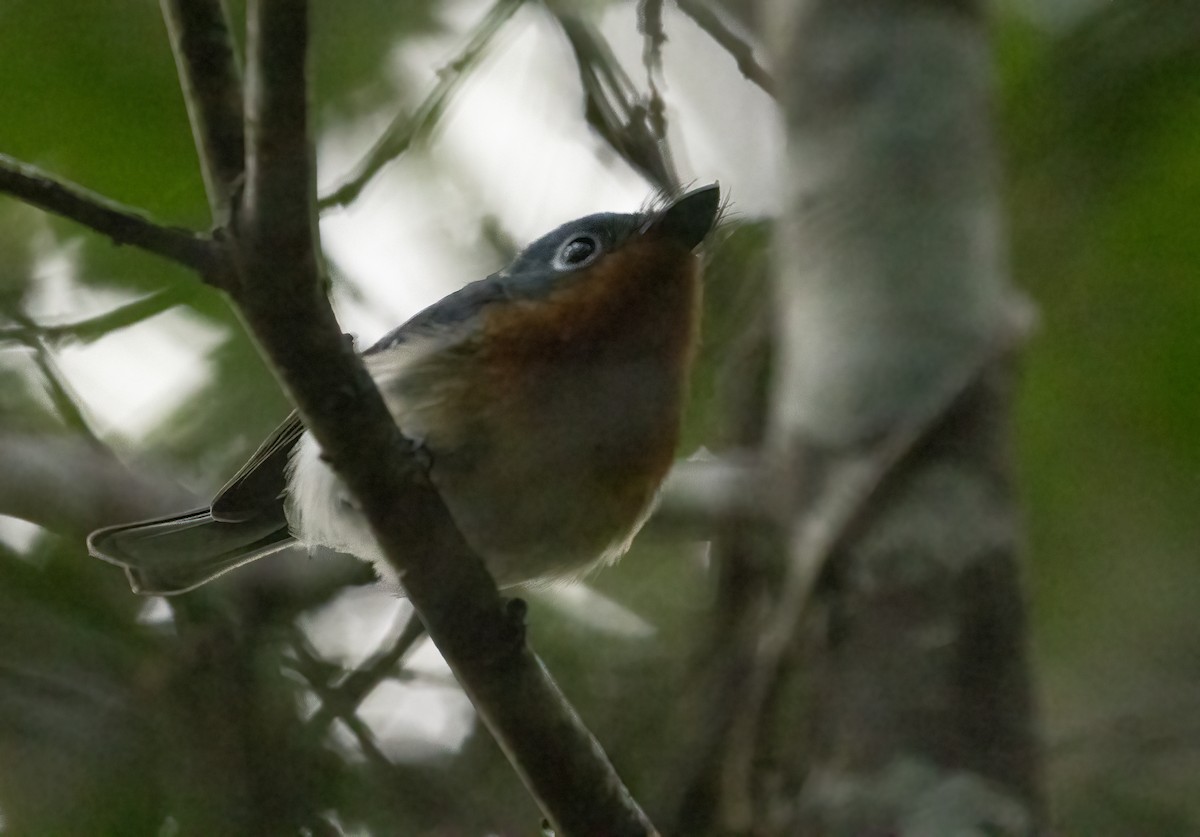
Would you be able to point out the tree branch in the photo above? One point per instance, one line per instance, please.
(716, 797)
(422, 798)
(708, 20)
(280, 295)
(342, 700)
(61, 394)
(212, 91)
(405, 128)
(654, 36)
(93, 328)
(120, 223)
(613, 106)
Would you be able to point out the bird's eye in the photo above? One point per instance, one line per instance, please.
(576, 252)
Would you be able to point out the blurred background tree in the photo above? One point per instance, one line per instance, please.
(128, 389)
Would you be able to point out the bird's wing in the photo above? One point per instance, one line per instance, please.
(259, 484)
(450, 314)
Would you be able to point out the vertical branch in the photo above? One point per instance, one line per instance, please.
(278, 219)
(249, 771)
(891, 282)
(650, 24)
(211, 82)
(212, 90)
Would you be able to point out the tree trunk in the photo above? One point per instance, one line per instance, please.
(903, 609)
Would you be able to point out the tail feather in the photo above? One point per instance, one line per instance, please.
(179, 553)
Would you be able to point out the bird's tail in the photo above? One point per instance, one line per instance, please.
(179, 553)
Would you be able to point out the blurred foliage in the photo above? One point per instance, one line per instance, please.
(111, 722)
(1099, 121)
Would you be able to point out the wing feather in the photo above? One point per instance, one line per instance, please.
(260, 483)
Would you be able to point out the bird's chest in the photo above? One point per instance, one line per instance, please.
(549, 451)
(603, 419)
(556, 474)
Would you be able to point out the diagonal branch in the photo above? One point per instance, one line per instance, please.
(708, 20)
(120, 223)
(343, 701)
(93, 328)
(61, 394)
(404, 129)
(614, 108)
(315, 671)
(650, 24)
(422, 797)
(280, 295)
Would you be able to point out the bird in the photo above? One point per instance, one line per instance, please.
(546, 400)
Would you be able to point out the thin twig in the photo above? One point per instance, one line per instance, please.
(212, 91)
(708, 20)
(849, 486)
(354, 688)
(61, 395)
(312, 668)
(122, 224)
(650, 24)
(93, 328)
(405, 128)
(700, 498)
(418, 793)
(614, 107)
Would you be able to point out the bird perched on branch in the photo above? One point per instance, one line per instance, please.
(547, 396)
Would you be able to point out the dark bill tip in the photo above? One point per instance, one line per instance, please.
(690, 217)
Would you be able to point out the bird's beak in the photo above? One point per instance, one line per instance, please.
(688, 218)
